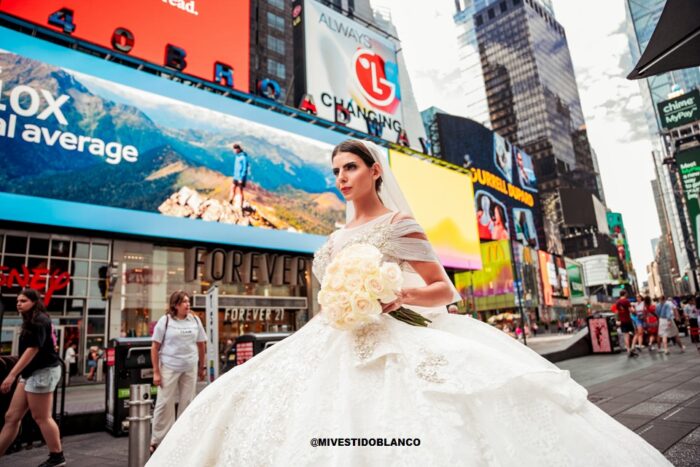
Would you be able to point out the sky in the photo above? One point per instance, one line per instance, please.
(612, 105)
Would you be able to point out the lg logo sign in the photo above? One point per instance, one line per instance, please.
(370, 75)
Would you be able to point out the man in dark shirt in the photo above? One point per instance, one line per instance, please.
(624, 315)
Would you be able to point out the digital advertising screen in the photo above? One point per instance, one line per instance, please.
(689, 167)
(90, 144)
(450, 227)
(493, 286)
(350, 73)
(506, 199)
(575, 274)
(194, 35)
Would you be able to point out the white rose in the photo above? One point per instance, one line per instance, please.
(336, 281)
(353, 282)
(363, 304)
(391, 275)
(374, 285)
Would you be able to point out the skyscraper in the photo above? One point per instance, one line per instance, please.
(518, 52)
(642, 17)
(470, 60)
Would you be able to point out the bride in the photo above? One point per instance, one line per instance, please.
(458, 392)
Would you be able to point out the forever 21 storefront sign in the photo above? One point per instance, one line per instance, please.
(234, 266)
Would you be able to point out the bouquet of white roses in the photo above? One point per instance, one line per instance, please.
(355, 285)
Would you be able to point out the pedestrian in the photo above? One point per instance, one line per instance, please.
(177, 353)
(651, 320)
(240, 175)
(693, 322)
(638, 322)
(71, 359)
(39, 370)
(93, 356)
(624, 316)
(667, 325)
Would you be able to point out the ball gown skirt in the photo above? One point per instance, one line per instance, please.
(468, 392)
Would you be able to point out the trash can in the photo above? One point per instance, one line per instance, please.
(128, 362)
(602, 329)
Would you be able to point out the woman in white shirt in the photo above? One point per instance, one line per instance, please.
(177, 353)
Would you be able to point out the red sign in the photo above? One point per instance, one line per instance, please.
(209, 39)
(110, 356)
(36, 278)
(244, 352)
(371, 76)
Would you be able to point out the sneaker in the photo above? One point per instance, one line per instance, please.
(54, 460)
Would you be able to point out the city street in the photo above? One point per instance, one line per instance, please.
(657, 396)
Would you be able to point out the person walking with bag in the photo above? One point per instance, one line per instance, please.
(39, 371)
(177, 353)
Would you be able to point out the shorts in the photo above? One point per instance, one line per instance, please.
(627, 327)
(42, 381)
(240, 183)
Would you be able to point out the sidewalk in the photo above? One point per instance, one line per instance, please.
(657, 396)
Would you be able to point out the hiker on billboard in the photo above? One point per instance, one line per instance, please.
(240, 175)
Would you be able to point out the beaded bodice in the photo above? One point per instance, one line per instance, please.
(390, 238)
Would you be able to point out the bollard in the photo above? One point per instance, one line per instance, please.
(139, 424)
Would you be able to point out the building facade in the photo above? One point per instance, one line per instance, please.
(642, 17)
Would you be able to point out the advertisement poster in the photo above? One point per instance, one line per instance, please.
(689, 167)
(506, 198)
(207, 31)
(600, 335)
(450, 227)
(680, 110)
(351, 72)
(493, 286)
(555, 280)
(136, 160)
(575, 273)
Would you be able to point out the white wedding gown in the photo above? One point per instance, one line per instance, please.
(471, 394)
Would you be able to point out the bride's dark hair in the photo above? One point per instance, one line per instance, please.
(357, 147)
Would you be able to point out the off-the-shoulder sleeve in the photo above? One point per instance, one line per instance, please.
(404, 247)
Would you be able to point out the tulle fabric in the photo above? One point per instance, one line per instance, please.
(471, 395)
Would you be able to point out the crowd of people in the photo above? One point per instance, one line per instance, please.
(652, 322)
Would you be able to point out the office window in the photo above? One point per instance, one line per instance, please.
(275, 68)
(275, 44)
(276, 3)
(275, 21)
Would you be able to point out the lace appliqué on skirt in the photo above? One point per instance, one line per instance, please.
(365, 341)
(429, 367)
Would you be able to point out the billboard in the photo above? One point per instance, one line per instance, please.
(528, 280)
(205, 38)
(346, 72)
(575, 272)
(506, 196)
(680, 110)
(689, 167)
(492, 287)
(90, 144)
(555, 280)
(450, 227)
